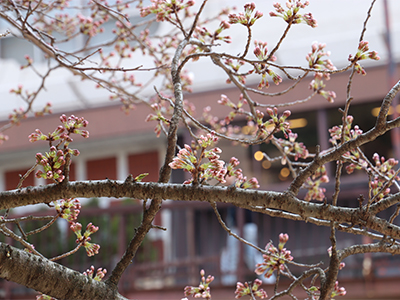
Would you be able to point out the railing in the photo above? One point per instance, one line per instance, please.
(194, 240)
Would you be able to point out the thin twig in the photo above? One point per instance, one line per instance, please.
(67, 253)
(364, 29)
(8, 232)
(40, 229)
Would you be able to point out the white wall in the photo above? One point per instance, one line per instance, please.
(339, 26)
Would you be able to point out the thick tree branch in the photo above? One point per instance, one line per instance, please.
(379, 129)
(247, 199)
(50, 278)
(369, 248)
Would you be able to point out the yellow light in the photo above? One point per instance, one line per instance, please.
(258, 155)
(375, 110)
(266, 164)
(298, 123)
(246, 129)
(285, 172)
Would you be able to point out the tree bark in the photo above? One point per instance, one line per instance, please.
(248, 199)
(50, 278)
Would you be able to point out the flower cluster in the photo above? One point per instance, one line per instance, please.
(247, 18)
(235, 66)
(73, 124)
(98, 276)
(45, 110)
(293, 148)
(313, 185)
(261, 52)
(3, 137)
(190, 158)
(52, 163)
(275, 259)
(68, 209)
(247, 289)
(166, 9)
(291, 14)
(383, 170)
(362, 53)
(275, 123)
(17, 91)
(84, 240)
(348, 133)
(63, 23)
(208, 140)
(236, 108)
(89, 26)
(202, 33)
(54, 160)
(337, 291)
(185, 160)
(158, 116)
(203, 290)
(17, 115)
(29, 62)
(354, 156)
(317, 58)
(317, 61)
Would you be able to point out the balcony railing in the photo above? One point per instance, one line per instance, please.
(194, 240)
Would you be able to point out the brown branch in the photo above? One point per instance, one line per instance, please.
(380, 128)
(230, 232)
(50, 278)
(27, 218)
(67, 253)
(280, 41)
(8, 232)
(196, 19)
(369, 248)
(299, 280)
(246, 48)
(328, 284)
(364, 29)
(44, 227)
(242, 198)
(165, 174)
(22, 178)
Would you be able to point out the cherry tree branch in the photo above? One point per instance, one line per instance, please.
(57, 281)
(381, 126)
(247, 199)
(165, 174)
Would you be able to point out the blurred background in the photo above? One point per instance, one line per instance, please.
(121, 144)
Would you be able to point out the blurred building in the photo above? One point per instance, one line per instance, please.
(122, 144)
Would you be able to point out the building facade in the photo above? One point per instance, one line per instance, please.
(121, 144)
